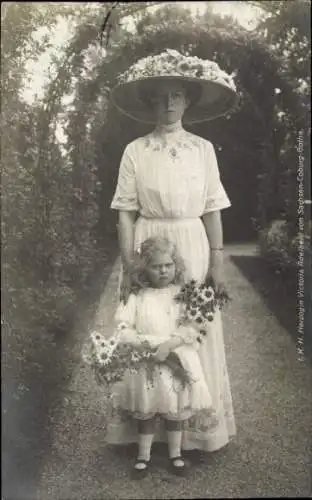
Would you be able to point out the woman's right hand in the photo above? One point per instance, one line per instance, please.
(162, 351)
(125, 287)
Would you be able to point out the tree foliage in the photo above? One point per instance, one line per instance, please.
(286, 29)
(267, 93)
(45, 258)
(55, 199)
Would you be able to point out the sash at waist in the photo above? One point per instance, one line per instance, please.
(170, 220)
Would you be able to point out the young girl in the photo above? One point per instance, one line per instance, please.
(152, 314)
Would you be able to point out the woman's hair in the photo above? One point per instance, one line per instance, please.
(147, 92)
(143, 256)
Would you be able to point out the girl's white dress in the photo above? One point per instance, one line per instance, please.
(171, 180)
(153, 315)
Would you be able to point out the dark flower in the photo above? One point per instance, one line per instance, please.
(210, 317)
(199, 320)
(208, 293)
(97, 337)
(208, 310)
(202, 332)
(184, 66)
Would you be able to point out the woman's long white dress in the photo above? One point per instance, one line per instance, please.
(171, 180)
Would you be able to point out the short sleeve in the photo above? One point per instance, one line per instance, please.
(125, 321)
(126, 195)
(215, 197)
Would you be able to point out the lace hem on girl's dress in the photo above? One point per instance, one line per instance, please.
(187, 413)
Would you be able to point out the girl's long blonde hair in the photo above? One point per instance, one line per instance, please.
(143, 256)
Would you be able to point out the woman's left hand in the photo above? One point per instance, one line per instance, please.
(218, 277)
(163, 351)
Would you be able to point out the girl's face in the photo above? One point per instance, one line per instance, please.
(169, 103)
(161, 270)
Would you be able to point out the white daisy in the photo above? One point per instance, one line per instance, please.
(135, 357)
(97, 337)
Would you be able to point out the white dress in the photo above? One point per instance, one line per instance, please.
(171, 180)
(153, 315)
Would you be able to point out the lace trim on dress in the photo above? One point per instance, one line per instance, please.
(171, 143)
(122, 415)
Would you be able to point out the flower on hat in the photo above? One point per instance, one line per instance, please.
(173, 52)
(182, 66)
(173, 63)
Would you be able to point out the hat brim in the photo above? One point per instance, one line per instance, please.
(216, 99)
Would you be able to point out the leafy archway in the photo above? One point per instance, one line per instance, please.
(247, 143)
(56, 203)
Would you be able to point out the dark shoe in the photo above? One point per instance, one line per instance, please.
(140, 473)
(196, 457)
(178, 470)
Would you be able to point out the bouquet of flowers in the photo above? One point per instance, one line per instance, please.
(199, 303)
(110, 358)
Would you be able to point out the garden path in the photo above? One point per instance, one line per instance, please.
(271, 455)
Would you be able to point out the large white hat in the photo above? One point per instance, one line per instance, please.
(215, 88)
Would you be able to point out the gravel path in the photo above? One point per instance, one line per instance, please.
(271, 455)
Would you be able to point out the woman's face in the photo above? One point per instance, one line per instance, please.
(161, 270)
(169, 102)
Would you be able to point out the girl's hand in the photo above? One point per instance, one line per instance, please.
(143, 344)
(163, 351)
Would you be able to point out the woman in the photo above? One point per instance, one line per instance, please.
(169, 185)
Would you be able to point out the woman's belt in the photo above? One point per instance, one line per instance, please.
(169, 219)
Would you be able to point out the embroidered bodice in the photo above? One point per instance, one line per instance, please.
(169, 174)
